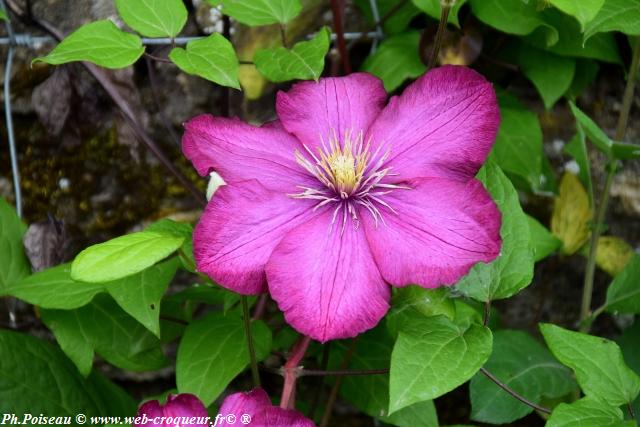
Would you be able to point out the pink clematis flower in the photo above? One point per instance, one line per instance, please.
(343, 196)
(181, 410)
(256, 409)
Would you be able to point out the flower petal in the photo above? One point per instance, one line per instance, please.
(443, 125)
(272, 416)
(240, 404)
(441, 229)
(325, 281)
(315, 110)
(238, 231)
(151, 409)
(239, 151)
(186, 406)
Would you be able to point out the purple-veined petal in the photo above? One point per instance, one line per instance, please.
(187, 407)
(239, 152)
(332, 106)
(441, 228)
(443, 125)
(238, 230)
(151, 409)
(239, 404)
(325, 281)
(273, 416)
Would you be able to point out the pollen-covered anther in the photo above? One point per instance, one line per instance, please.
(352, 175)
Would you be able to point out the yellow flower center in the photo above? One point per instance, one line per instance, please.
(345, 164)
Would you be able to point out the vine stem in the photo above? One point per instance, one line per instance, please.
(291, 372)
(621, 129)
(632, 413)
(336, 386)
(514, 393)
(252, 352)
(444, 17)
(338, 27)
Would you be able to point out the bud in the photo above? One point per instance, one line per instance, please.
(255, 409)
(181, 410)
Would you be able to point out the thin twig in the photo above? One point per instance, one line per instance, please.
(514, 393)
(326, 351)
(442, 25)
(246, 317)
(157, 58)
(487, 313)
(338, 28)
(336, 386)
(341, 373)
(604, 197)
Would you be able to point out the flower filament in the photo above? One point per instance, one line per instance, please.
(351, 175)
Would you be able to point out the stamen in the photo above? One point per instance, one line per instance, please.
(350, 175)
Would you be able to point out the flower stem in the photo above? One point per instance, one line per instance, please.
(338, 28)
(514, 393)
(604, 197)
(587, 289)
(444, 17)
(632, 413)
(247, 332)
(291, 372)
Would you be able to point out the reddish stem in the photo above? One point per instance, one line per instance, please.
(336, 9)
(290, 371)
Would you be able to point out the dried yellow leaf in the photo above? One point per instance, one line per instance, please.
(613, 254)
(571, 214)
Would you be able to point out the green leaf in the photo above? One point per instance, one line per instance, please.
(602, 47)
(100, 42)
(616, 15)
(526, 367)
(305, 61)
(551, 74)
(396, 22)
(370, 393)
(123, 256)
(583, 10)
(13, 263)
(514, 17)
(427, 302)
(3, 15)
(623, 295)
(261, 12)
(54, 288)
(434, 10)
(623, 151)
(213, 352)
(597, 363)
(587, 412)
(513, 269)
(212, 58)
(37, 378)
(103, 327)
(518, 147)
(396, 60)
(139, 295)
(577, 148)
(542, 241)
(432, 357)
(172, 228)
(153, 18)
(591, 129)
